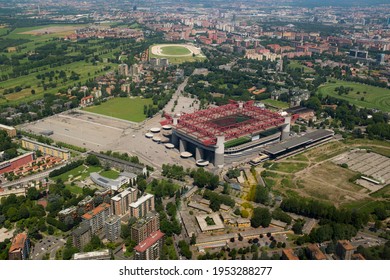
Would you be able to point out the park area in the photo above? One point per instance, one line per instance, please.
(361, 95)
(176, 53)
(129, 109)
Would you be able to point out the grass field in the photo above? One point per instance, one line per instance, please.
(175, 50)
(111, 174)
(375, 97)
(288, 167)
(295, 64)
(39, 36)
(130, 109)
(275, 103)
(80, 172)
(74, 189)
(176, 54)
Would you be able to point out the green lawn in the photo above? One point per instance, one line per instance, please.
(295, 64)
(375, 97)
(74, 189)
(275, 103)
(175, 50)
(288, 167)
(80, 171)
(111, 174)
(131, 109)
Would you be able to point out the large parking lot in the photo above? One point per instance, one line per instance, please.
(100, 133)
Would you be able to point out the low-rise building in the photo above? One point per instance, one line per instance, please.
(11, 131)
(104, 254)
(20, 247)
(344, 249)
(288, 254)
(315, 253)
(45, 149)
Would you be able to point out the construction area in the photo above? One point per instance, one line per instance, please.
(375, 168)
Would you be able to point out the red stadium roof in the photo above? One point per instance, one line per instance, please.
(229, 120)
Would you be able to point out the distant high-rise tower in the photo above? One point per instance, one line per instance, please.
(380, 59)
(123, 69)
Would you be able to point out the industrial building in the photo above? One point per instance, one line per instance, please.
(297, 143)
(211, 134)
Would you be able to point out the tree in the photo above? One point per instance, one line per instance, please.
(193, 239)
(298, 226)
(32, 194)
(92, 160)
(261, 217)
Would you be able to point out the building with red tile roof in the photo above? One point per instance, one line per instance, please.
(20, 247)
(150, 248)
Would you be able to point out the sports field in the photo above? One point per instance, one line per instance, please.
(176, 53)
(362, 95)
(130, 109)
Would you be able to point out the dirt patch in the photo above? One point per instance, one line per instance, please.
(327, 181)
(51, 30)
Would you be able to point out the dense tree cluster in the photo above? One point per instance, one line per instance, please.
(7, 146)
(174, 171)
(66, 168)
(217, 199)
(204, 178)
(319, 210)
(261, 217)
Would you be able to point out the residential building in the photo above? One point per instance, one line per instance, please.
(288, 254)
(68, 212)
(142, 206)
(145, 226)
(45, 149)
(15, 163)
(81, 236)
(123, 69)
(85, 101)
(96, 217)
(150, 248)
(120, 203)
(112, 228)
(344, 249)
(315, 253)
(20, 247)
(11, 131)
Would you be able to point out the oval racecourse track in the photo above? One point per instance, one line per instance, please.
(159, 50)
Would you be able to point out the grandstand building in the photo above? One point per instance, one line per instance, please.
(213, 133)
